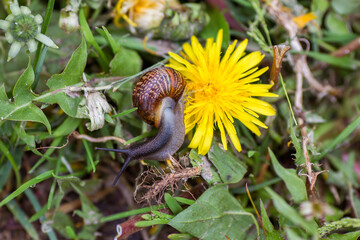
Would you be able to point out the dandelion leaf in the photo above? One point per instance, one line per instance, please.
(230, 168)
(213, 216)
(22, 107)
(71, 75)
(299, 155)
(293, 183)
(291, 214)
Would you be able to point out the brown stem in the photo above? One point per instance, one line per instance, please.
(344, 50)
(279, 53)
(348, 48)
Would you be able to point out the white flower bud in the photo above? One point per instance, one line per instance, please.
(69, 21)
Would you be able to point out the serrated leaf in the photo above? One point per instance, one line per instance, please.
(291, 214)
(293, 183)
(71, 75)
(22, 108)
(210, 217)
(299, 155)
(230, 168)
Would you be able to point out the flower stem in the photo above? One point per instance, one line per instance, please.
(44, 27)
(38, 66)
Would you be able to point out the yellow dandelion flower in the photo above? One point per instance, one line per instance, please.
(220, 89)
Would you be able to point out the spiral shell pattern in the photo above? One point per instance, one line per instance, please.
(154, 86)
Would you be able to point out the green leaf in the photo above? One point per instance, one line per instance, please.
(114, 45)
(230, 168)
(63, 223)
(299, 155)
(336, 23)
(184, 200)
(172, 204)
(126, 62)
(211, 216)
(291, 214)
(346, 7)
(71, 75)
(208, 172)
(293, 183)
(103, 61)
(26, 138)
(271, 233)
(265, 219)
(217, 22)
(22, 108)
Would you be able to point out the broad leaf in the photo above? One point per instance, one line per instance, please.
(22, 108)
(71, 75)
(213, 216)
(230, 168)
(208, 172)
(291, 214)
(293, 183)
(125, 63)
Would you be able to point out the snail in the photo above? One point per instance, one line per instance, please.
(158, 98)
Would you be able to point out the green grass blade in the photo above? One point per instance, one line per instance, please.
(26, 185)
(44, 27)
(131, 213)
(20, 215)
(340, 138)
(5, 171)
(39, 66)
(53, 185)
(288, 99)
(185, 200)
(15, 167)
(124, 112)
(114, 46)
(35, 203)
(172, 204)
(104, 62)
(88, 151)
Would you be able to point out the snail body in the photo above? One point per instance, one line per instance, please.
(158, 97)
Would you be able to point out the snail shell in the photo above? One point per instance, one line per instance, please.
(152, 88)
